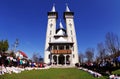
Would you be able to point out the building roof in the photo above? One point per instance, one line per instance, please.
(67, 8)
(61, 26)
(22, 53)
(53, 8)
(61, 40)
(61, 31)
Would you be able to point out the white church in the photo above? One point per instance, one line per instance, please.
(61, 44)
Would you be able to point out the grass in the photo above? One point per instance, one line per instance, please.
(57, 73)
(116, 72)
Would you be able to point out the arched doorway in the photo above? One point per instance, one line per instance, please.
(67, 59)
(61, 59)
(55, 59)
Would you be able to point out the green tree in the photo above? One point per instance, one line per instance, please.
(0, 46)
(4, 45)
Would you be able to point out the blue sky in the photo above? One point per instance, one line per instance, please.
(27, 21)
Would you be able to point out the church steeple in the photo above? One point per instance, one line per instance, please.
(67, 8)
(53, 8)
(53, 13)
(68, 13)
(61, 26)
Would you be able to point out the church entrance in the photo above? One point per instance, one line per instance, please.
(61, 59)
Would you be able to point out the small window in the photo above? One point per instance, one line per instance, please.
(50, 32)
(73, 48)
(49, 39)
(72, 39)
(73, 56)
(71, 32)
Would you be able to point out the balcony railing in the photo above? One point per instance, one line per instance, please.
(61, 51)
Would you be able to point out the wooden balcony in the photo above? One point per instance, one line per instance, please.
(61, 51)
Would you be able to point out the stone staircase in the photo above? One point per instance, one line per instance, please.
(62, 66)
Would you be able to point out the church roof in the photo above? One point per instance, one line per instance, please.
(23, 54)
(60, 31)
(53, 9)
(67, 8)
(61, 26)
(61, 40)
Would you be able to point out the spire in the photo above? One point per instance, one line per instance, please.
(67, 8)
(61, 26)
(53, 8)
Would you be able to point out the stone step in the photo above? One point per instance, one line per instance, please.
(62, 66)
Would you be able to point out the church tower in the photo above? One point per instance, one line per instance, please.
(61, 44)
(70, 28)
(51, 28)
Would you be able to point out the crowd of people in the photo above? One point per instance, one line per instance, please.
(94, 73)
(9, 64)
(97, 75)
(13, 69)
(104, 67)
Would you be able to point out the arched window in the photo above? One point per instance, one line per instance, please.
(72, 39)
(49, 39)
(71, 32)
(50, 32)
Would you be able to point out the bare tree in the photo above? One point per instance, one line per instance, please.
(101, 50)
(35, 57)
(112, 43)
(81, 57)
(89, 54)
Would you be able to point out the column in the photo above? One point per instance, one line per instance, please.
(52, 47)
(64, 47)
(70, 59)
(57, 60)
(65, 60)
(57, 47)
(70, 47)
